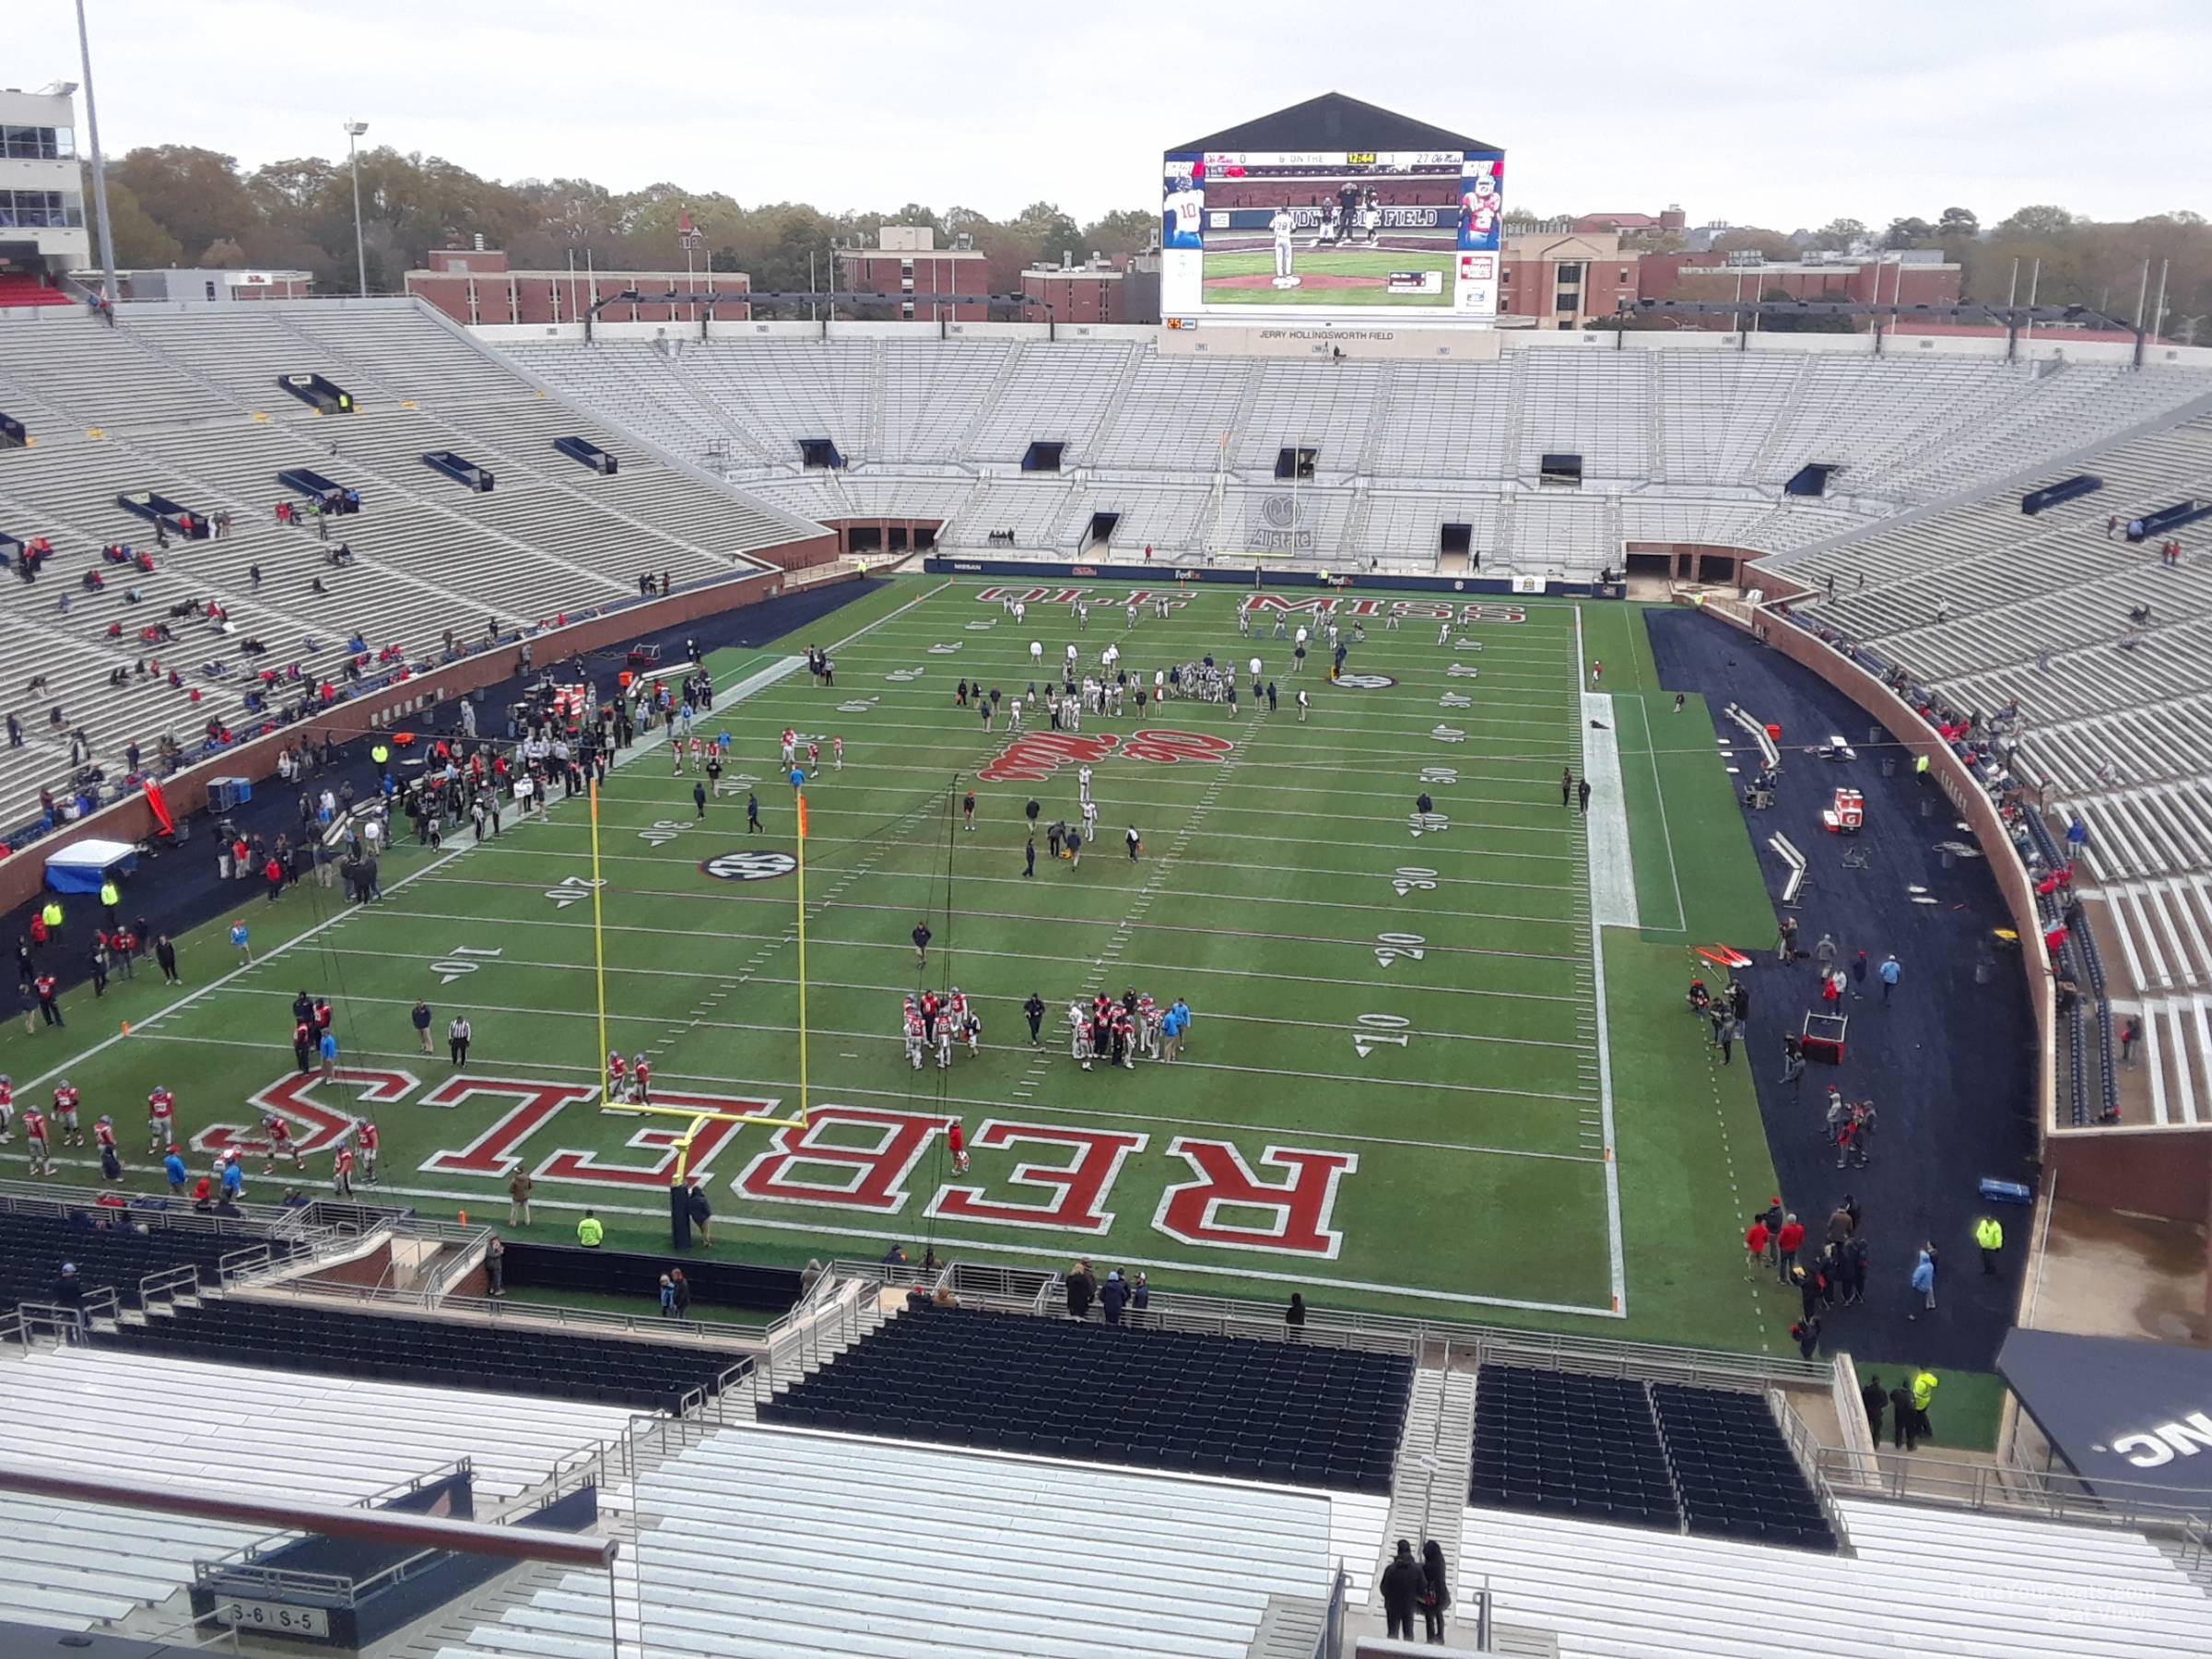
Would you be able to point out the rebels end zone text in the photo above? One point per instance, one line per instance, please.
(1062, 1183)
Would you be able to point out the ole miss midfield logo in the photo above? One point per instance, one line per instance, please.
(1033, 757)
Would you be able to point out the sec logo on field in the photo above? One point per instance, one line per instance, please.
(750, 867)
(1365, 682)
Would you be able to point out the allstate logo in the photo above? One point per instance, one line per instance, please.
(1365, 682)
(750, 867)
(1279, 513)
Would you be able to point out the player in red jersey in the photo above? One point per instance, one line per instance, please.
(956, 1143)
(341, 1174)
(640, 1085)
(7, 1105)
(34, 1136)
(161, 1120)
(111, 1156)
(618, 1076)
(364, 1132)
(65, 1117)
(281, 1144)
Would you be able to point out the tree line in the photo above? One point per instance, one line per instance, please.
(176, 205)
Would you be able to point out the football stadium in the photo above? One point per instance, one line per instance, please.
(787, 975)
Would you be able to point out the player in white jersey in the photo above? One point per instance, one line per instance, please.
(972, 1031)
(1083, 785)
(1078, 1033)
(1148, 1027)
(944, 1045)
(1181, 205)
(1280, 227)
(913, 1034)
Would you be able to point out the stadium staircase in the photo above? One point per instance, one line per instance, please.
(1427, 1482)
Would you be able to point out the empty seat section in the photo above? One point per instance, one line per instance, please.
(1209, 1404)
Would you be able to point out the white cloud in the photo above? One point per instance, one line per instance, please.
(1871, 110)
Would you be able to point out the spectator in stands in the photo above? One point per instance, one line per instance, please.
(591, 1231)
(1402, 1585)
(495, 1266)
(667, 1288)
(1436, 1592)
(1871, 1397)
(2131, 1032)
(683, 1293)
(1113, 1297)
(1294, 1316)
(69, 1293)
(1082, 1289)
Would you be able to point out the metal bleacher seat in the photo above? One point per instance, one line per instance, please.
(1258, 1410)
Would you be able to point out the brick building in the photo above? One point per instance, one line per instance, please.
(1123, 289)
(474, 285)
(1559, 277)
(907, 261)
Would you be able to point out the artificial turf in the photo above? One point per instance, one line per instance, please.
(1447, 1153)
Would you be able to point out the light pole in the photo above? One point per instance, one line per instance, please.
(99, 166)
(354, 129)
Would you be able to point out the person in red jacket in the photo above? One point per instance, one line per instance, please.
(1755, 1245)
(1788, 1241)
(956, 1143)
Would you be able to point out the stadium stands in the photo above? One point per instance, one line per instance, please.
(1694, 445)
(188, 404)
(1734, 1470)
(801, 1544)
(1218, 1406)
(1585, 1445)
(1659, 1455)
(1917, 1581)
(246, 1431)
(2100, 642)
(568, 1267)
(112, 1256)
(640, 1376)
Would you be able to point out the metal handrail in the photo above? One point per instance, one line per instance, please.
(1925, 1477)
(36, 1198)
(1806, 1451)
(168, 1284)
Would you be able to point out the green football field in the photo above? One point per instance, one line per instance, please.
(1421, 1075)
(1327, 277)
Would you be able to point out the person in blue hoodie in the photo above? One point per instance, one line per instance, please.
(234, 1177)
(1114, 1295)
(173, 1167)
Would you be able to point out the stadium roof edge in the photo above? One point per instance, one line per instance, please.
(1334, 121)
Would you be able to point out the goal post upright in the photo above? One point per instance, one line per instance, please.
(598, 942)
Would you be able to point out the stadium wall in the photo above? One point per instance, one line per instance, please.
(1169, 570)
(392, 707)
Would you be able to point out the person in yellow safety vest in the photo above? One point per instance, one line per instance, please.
(110, 896)
(590, 1230)
(381, 754)
(1920, 765)
(1923, 1394)
(53, 915)
(1989, 1234)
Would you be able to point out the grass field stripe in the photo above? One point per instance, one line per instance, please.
(1666, 835)
(894, 1039)
(1615, 1253)
(1578, 1002)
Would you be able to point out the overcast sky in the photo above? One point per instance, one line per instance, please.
(1868, 110)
